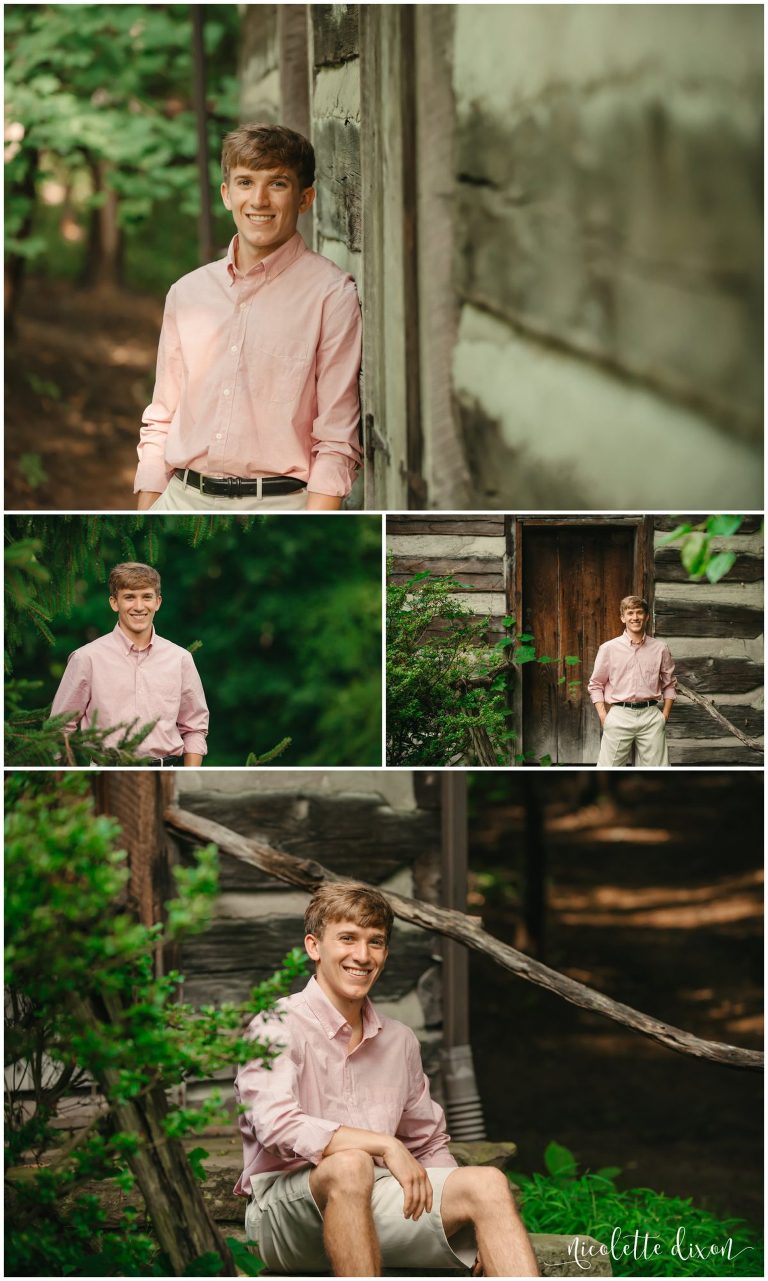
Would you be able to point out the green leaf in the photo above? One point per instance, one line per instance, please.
(545, 760)
(246, 1260)
(609, 1172)
(544, 658)
(672, 537)
(508, 622)
(525, 637)
(724, 526)
(525, 654)
(560, 1163)
(196, 1158)
(693, 553)
(571, 660)
(719, 566)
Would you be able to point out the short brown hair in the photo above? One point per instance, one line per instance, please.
(347, 901)
(130, 575)
(634, 602)
(260, 146)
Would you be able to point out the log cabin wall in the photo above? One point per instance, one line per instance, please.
(381, 827)
(715, 631)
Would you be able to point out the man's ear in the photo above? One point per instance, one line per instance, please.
(306, 199)
(225, 196)
(113, 603)
(311, 948)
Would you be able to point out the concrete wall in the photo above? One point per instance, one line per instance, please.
(607, 254)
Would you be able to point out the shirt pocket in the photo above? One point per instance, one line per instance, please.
(282, 367)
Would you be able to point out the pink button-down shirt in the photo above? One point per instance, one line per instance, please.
(627, 673)
(315, 1086)
(257, 374)
(112, 679)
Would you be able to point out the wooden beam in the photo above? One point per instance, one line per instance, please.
(308, 874)
(754, 744)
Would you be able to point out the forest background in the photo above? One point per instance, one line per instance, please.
(287, 610)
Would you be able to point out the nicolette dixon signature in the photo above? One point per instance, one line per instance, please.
(641, 1245)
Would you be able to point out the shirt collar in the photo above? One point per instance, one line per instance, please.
(272, 265)
(128, 644)
(332, 1020)
(631, 643)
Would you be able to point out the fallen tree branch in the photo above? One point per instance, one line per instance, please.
(307, 874)
(716, 715)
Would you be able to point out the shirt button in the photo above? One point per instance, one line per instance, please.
(243, 305)
(226, 391)
(218, 435)
(233, 349)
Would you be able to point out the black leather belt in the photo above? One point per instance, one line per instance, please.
(236, 487)
(650, 702)
(158, 761)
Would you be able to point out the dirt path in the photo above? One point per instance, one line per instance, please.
(656, 899)
(79, 372)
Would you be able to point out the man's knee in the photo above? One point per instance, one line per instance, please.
(349, 1173)
(473, 1192)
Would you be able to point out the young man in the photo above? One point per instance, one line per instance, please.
(256, 403)
(632, 672)
(346, 1155)
(132, 676)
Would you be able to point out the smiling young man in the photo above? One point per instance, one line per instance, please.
(132, 676)
(632, 672)
(346, 1156)
(256, 403)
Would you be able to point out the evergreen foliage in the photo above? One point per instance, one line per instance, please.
(72, 944)
(284, 614)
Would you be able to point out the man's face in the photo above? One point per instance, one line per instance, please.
(350, 959)
(634, 619)
(135, 608)
(265, 204)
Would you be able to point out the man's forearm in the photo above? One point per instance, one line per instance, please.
(193, 758)
(145, 498)
(667, 708)
(602, 710)
(364, 1140)
(322, 502)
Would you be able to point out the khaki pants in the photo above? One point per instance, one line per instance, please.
(283, 1220)
(179, 497)
(625, 727)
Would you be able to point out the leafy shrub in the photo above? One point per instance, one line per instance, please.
(564, 1201)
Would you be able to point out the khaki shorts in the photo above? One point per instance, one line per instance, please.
(179, 497)
(282, 1218)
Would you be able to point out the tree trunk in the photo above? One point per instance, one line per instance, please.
(16, 264)
(174, 1201)
(103, 266)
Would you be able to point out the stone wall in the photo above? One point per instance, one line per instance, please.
(607, 254)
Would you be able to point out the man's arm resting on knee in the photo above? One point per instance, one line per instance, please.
(412, 1177)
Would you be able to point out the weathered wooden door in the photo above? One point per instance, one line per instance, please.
(571, 577)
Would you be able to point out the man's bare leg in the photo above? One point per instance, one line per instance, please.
(341, 1185)
(481, 1195)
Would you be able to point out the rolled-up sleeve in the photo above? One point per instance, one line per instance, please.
(667, 676)
(335, 450)
(599, 678)
(192, 722)
(74, 692)
(422, 1124)
(152, 473)
(269, 1094)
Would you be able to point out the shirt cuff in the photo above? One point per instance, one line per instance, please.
(670, 692)
(152, 477)
(314, 1137)
(194, 742)
(597, 696)
(331, 474)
